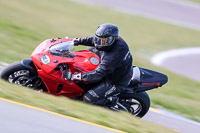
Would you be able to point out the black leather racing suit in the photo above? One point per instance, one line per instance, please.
(114, 71)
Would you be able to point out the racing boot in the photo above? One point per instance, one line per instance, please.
(112, 103)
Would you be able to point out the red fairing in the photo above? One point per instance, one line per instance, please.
(47, 64)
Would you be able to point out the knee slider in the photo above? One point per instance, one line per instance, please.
(86, 99)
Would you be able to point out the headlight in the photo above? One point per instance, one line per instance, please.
(94, 60)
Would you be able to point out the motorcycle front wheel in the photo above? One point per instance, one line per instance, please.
(16, 73)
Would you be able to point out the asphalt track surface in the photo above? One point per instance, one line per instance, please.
(176, 12)
(20, 119)
(191, 71)
(170, 11)
(185, 59)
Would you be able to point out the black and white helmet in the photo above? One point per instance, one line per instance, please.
(105, 36)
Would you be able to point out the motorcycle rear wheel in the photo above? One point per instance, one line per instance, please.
(137, 104)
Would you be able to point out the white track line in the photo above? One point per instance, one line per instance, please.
(158, 58)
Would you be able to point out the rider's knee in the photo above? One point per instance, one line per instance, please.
(90, 97)
(86, 99)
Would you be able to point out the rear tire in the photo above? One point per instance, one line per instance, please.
(141, 100)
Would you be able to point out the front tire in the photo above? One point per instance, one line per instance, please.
(16, 73)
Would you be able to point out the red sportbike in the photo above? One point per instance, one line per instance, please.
(52, 63)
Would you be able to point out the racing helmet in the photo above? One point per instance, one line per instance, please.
(105, 36)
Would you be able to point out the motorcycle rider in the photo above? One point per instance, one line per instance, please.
(115, 69)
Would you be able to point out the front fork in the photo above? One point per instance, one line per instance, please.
(28, 64)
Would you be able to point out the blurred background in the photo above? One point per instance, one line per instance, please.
(148, 27)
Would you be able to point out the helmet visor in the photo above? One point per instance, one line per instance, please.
(103, 41)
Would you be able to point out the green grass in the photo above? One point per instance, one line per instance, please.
(26, 23)
(117, 120)
(197, 1)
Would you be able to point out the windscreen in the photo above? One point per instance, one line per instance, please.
(62, 49)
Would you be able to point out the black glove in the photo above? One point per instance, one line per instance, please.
(76, 41)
